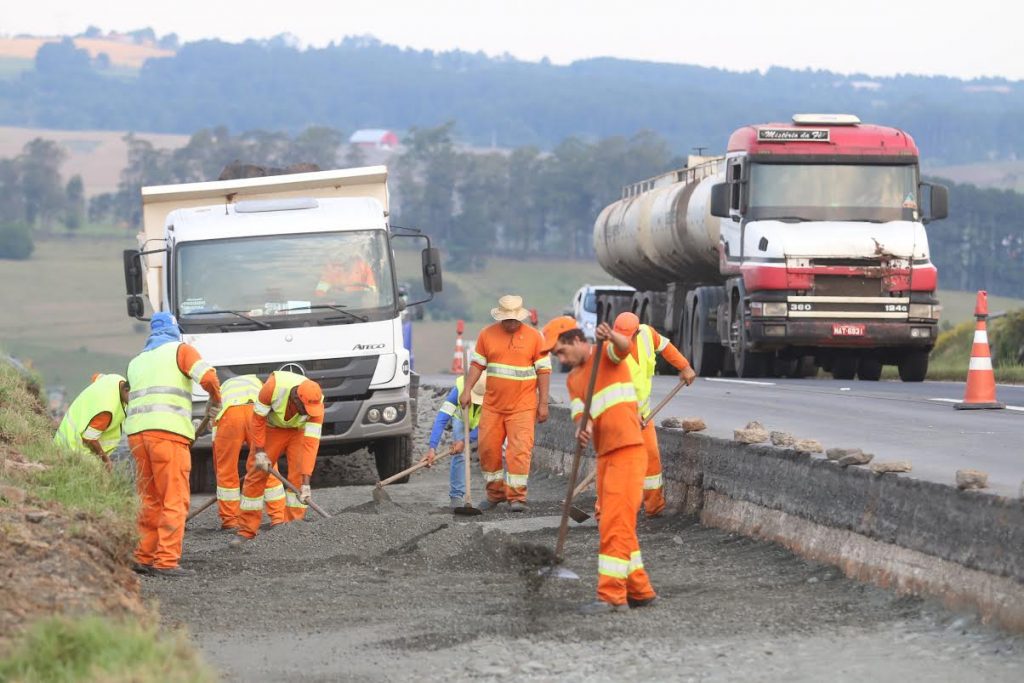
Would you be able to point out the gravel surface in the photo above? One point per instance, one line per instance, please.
(406, 591)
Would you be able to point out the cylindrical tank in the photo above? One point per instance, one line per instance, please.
(665, 234)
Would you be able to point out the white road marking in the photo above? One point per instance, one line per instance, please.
(739, 381)
(956, 400)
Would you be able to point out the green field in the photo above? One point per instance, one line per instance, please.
(65, 307)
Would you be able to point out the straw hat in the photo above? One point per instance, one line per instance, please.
(477, 395)
(510, 307)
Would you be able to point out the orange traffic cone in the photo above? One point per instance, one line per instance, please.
(457, 364)
(981, 381)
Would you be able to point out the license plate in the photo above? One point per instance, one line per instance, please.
(847, 330)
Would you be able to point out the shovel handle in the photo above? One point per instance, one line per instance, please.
(406, 472)
(664, 402)
(291, 487)
(201, 508)
(585, 484)
(465, 429)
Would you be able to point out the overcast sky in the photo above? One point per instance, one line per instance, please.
(876, 37)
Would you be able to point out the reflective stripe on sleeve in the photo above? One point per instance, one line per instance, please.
(313, 430)
(91, 434)
(261, 409)
(576, 407)
(516, 480)
(199, 369)
(224, 493)
(612, 566)
(543, 364)
(612, 355)
(497, 475)
(635, 561)
(652, 482)
(292, 501)
(448, 408)
(663, 345)
(250, 504)
(323, 287)
(478, 359)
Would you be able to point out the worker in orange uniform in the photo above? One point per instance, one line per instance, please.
(160, 432)
(640, 346)
(92, 424)
(232, 429)
(614, 429)
(518, 379)
(347, 273)
(288, 418)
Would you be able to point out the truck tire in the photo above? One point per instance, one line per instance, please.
(913, 366)
(748, 363)
(707, 355)
(844, 367)
(869, 369)
(392, 456)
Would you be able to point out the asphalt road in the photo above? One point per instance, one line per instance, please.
(893, 420)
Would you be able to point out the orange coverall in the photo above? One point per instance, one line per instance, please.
(621, 461)
(513, 362)
(654, 491)
(162, 466)
(299, 449)
(356, 276)
(234, 429)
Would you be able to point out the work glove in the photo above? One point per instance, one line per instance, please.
(212, 408)
(261, 461)
(305, 494)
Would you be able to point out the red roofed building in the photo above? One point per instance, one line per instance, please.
(374, 138)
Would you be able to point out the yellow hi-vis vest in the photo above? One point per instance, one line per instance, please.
(161, 396)
(474, 409)
(284, 382)
(239, 391)
(102, 396)
(642, 369)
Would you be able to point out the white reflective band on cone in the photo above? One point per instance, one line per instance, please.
(980, 364)
(980, 337)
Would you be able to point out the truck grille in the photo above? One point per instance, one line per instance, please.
(844, 285)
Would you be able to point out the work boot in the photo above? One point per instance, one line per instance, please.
(238, 541)
(601, 607)
(641, 602)
(456, 502)
(144, 569)
(489, 504)
(172, 572)
(517, 506)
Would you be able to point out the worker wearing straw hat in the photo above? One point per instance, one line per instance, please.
(518, 378)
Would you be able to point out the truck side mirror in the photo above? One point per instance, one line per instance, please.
(136, 307)
(432, 281)
(938, 201)
(132, 272)
(720, 200)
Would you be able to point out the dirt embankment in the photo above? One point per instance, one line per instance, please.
(55, 558)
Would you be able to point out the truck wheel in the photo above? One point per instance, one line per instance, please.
(844, 367)
(913, 366)
(707, 357)
(785, 367)
(748, 363)
(869, 369)
(392, 456)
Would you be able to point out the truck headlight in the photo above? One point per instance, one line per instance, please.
(925, 311)
(768, 309)
(390, 414)
(373, 415)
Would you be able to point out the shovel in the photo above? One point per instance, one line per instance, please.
(467, 510)
(381, 496)
(664, 402)
(201, 429)
(563, 528)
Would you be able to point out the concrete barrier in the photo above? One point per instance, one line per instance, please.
(921, 538)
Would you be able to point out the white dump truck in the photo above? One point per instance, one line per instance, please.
(291, 272)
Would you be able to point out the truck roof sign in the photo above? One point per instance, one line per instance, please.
(795, 134)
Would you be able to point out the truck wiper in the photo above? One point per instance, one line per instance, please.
(238, 313)
(333, 307)
(787, 219)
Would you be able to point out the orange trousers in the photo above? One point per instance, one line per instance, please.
(256, 484)
(233, 430)
(620, 567)
(162, 467)
(508, 481)
(654, 492)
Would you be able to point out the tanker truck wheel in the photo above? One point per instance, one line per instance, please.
(748, 363)
(707, 356)
(913, 366)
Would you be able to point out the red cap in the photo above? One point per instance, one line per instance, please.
(627, 323)
(312, 398)
(554, 328)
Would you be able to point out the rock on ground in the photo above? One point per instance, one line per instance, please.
(837, 453)
(895, 466)
(693, 424)
(809, 446)
(783, 439)
(971, 479)
(858, 458)
(754, 432)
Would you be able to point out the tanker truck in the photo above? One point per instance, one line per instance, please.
(804, 246)
(251, 269)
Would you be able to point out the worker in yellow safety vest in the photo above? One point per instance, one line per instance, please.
(92, 425)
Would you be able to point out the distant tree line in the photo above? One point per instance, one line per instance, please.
(34, 195)
(361, 83)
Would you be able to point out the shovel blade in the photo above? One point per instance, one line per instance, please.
(578, 516)
(380, 495)
(467, 510)
(558, 573)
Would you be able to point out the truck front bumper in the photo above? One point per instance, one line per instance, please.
(771, 335)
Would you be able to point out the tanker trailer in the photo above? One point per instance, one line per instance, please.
(804, 246)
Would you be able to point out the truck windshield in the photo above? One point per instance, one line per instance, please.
(272, 279)
(590, 303)
(838, 192)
